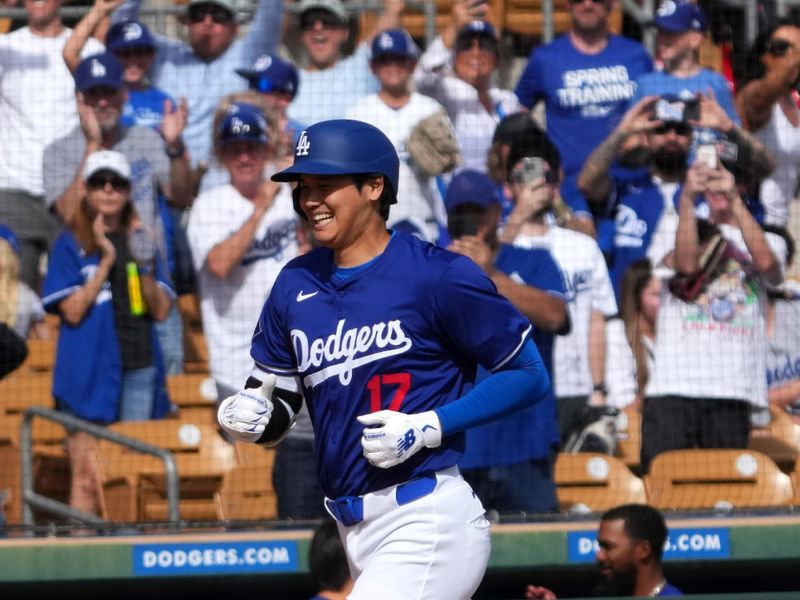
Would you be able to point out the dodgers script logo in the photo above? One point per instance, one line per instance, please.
(346, 350)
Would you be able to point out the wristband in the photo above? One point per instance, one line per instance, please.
(145, 269)
(601, 388)
(176, 153)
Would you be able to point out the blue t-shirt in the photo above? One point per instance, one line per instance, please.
(532, 433)
(669, 590)
(400, 334)
(585, 95)
(145, 108)
(89, 385)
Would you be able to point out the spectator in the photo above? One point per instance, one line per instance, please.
(711, 343)
(331, 84)
(631, 542)
(157, 165)
(631, 338)
(681, 28)
(644, 201)
(327, 562)
(395, 109)
(108, 283)
(20, 307)
(579, 359)
(783, 337)
(767, 100)
(509, 463)
(202, 69)
(585, 78)
(241, 234)
(457, 69)
(36, 108)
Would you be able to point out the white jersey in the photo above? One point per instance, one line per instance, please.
(715, 347)
(418, 202)
(620, 366)
(230, 307)
(588, 288)
(474, 124)
(781, 138)
(37, 103)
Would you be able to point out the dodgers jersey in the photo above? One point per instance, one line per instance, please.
(407, 333)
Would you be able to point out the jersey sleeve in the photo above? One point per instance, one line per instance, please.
(205, 229)
(476, 320)
(550, 276)
(603, 298)
(63, 274)
(271, 346)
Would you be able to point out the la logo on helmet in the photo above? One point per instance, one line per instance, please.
(303, 145)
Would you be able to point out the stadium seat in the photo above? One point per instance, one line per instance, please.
(20, 392)
(195, 352)
(41, 357)
(778, 439)
(132, 485)
(722, 479)
(629, 437)
(247, 493)
(593, 481)
(195, 395)
(189, 308)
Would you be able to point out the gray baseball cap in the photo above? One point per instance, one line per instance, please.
(334, 6)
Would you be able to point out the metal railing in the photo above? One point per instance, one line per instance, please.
(31, 499)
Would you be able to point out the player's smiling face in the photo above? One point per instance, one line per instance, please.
(340, 215)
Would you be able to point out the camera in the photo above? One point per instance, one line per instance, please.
(531, 169)
(676, 110)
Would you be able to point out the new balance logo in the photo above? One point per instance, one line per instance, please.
(405, 442)
(303, 145)
(301, 296)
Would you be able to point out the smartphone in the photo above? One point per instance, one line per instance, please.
(676, 110)
(707, 155)
(531, 169)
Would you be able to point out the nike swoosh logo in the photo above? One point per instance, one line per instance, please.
(301, 296)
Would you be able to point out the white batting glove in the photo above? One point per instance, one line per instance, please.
(246, 414)
(393, 437)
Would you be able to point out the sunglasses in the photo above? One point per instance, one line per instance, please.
(328, 20)
(778, 47)
(464, 43)
(134, 52)
(267, 86)
(220, 16)
(100, 181)
(678, 128)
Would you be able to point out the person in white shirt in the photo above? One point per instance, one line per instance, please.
(395, 110)
(579, 359)
(457, 69)
(37, 106)
(241, 234)
(710, 348)
(330, 83)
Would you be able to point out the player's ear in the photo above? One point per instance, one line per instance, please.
(373, 187)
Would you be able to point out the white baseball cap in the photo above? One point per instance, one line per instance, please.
(107, 160)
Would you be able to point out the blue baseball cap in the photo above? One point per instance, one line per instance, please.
(470, 186)
(680, 16)
(99, 70)
(478, 28)
(129, 34)
(394, 42)
(271, 73)
(7, 234)
(243, 122)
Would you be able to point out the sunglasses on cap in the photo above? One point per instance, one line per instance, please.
(328, 20)
(683, 129)
(99, 181)
(266, 86)
(134, 51)
(220, 16)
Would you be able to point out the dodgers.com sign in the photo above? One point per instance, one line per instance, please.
(696, 543)
(214, 558)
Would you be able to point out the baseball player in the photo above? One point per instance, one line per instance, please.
(382, 333)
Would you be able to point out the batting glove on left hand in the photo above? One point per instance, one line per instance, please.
(246, 414)
(393, 437)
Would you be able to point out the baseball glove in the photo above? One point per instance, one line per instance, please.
(433, 146)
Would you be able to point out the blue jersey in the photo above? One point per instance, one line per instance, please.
(532, 433)
(144, 107)
(585, 95)
(89, 385)
(669, 590)
(407, 333)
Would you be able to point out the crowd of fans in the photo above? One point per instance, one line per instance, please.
(642, 229)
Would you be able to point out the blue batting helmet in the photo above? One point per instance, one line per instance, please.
(343, 147)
